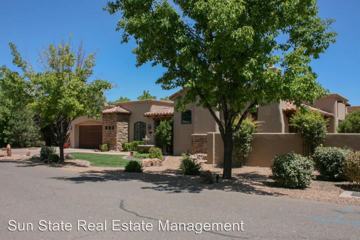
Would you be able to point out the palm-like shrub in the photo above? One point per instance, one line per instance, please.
(189, 166)
(292, 170)
(330, 162)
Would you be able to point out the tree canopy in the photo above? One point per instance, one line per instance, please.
(62, 91)
(351, 124)
(17, 120)
(230, 55)
(146, 96)
(119, 100)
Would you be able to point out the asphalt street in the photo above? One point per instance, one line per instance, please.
(38, 202)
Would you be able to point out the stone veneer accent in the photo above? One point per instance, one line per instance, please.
(198, 143)
(115, 130)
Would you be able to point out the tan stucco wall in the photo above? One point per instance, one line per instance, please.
(271, 119)
(349, 140)
(266, 146)
(202, 123)
(74, 129)
(137, 109)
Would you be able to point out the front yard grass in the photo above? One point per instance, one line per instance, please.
(102, 160)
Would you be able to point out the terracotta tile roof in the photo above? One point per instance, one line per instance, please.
(161, 113)
(288, 106)
(353, 109)
(116, 109)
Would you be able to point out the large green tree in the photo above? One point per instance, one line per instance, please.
(230, 55)
(17, 120)
(62, 91)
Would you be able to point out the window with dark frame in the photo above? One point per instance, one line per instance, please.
(186, 117)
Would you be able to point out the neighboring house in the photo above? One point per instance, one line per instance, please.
(128, 121)
(191, 135)
(353, 109)
(274, 118)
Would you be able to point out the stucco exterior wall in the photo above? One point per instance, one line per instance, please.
(271, 119)
(202, 123)
(266, 146)
(137, 110)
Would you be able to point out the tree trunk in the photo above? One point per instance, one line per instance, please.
(228, 150)
(62, 158)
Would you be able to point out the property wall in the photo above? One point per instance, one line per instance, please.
(74, 129)
(199, 143)
(266, 146)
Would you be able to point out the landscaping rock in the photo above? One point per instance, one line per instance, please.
(151, 162)
(199, 157)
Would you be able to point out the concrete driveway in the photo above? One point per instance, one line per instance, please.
(30, 193)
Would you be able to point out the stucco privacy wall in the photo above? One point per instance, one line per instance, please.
(266, 146)
(199, 143)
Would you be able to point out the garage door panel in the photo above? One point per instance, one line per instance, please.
(90, 136)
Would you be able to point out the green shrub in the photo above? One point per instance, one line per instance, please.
(45, 152)
(133, 166)
(131, 146)
(53, 158)
(292, 170)
(352, 167)
(163, 134)
(104, 147)
(189, 166)
(312, 127)
(330, 162)
(242, 142)
(141, 155)
(155, 152)
(351, 124)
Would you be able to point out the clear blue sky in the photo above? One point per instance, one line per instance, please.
(32, 25)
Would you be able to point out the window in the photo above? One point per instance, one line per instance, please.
(186, 117)
(139, 131)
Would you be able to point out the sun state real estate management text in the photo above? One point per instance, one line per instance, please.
(124, 226)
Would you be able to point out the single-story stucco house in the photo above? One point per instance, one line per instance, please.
(137, 120)
(128, 121)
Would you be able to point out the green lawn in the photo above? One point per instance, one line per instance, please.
(102, 160)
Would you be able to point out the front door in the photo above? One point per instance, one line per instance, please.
(139, 131)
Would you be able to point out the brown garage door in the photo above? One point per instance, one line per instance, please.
(90, 136)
